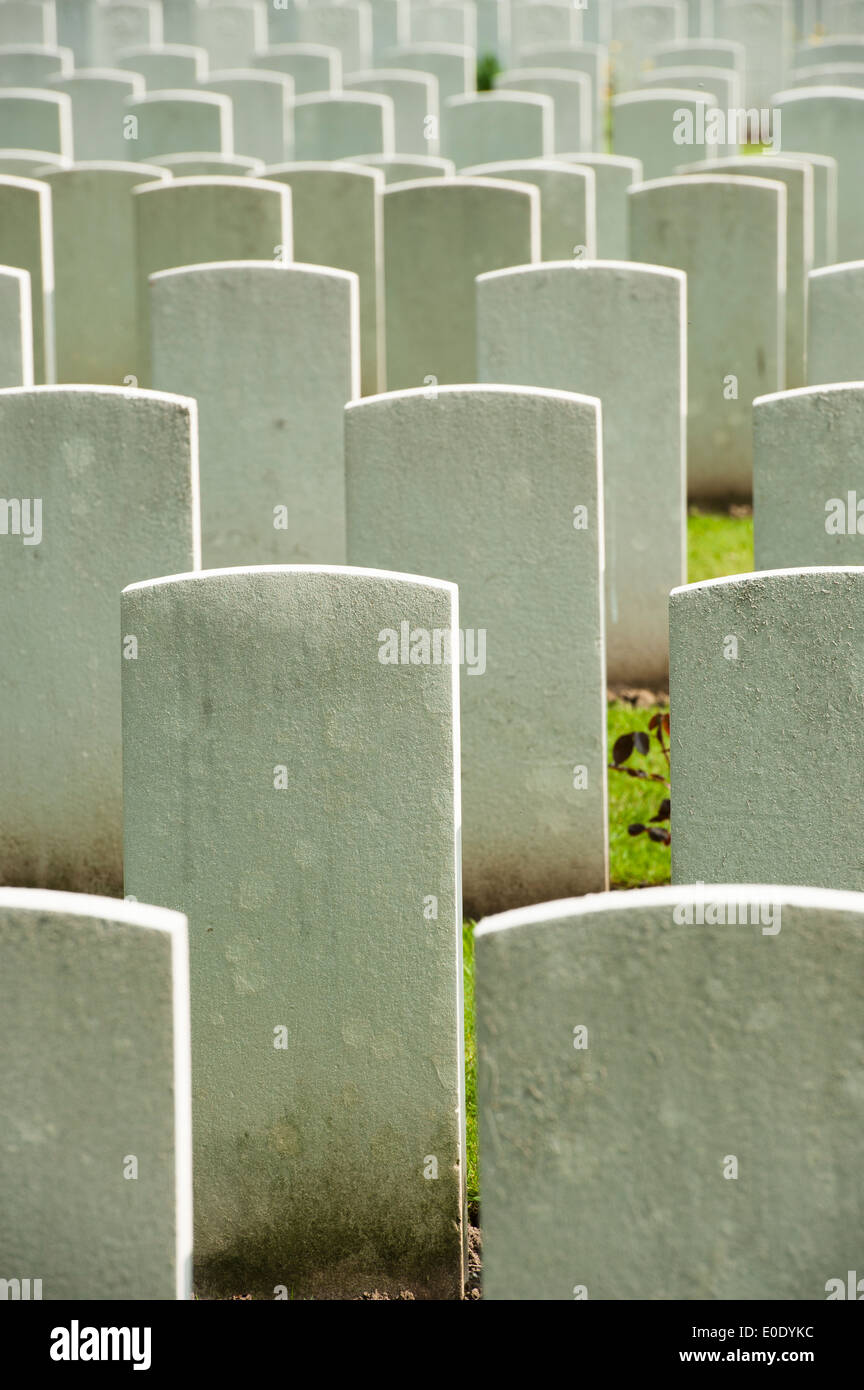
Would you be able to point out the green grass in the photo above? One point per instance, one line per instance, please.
(717, 544)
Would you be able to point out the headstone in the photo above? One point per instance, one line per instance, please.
(828, 75)
(706, 52)
(196, 220)
(830, 120)
(177, 122)
(421, 468)
(835, 337)
(178, 21)
(493, 29)
(116, 26)
(543, 22)
(571, 99)
(443, 23)
(313, 67)
(187, 165)
(230, 33)
(488, 126)
(404, 168)
(16, 328)
(337, 218)
(96, 1158)
(454, 65)
(95, 273)
(28, 22)
(100, 125)
(848, 49)
(74, 25)
(319, 959)
(764, 27)
(168, 67)
(263, 402)
(737, 322)
(824, 204)
(568, 216)
(282, 23)
(24, 163)
(656, 126)
(346, 27)
(29, 65)
(530, 328)
(439, 234)
(724, 85)
(334, 125)
(845, 16)
(261, 105)
(808, 450)
(636, 1047)
(589, 58)
(776, 660)
(614, 174)
(797, 175)
(101, 489)
(637, 28)
(32, 118)
(26, 243)
(415, 105)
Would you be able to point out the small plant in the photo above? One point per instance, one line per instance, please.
(640, 742)
(488, 69)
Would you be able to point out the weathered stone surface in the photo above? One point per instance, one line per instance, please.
(337, 219)
(347, 27)
(737, 322)
(306, 815)
(28, 22)
(168, 66)
(775, 660)
(439, 234)
(765, 29)
(443, 23)
(590, 58)
(646, 124)
(529, 329)
(174, 122)
(33, 118)
(26, 243)
(270, 416)
(543, 22)
(334, 125)
(231, 33)
(96, 1153)
(637, 28)
(193, 221)
(570, 93)
(453, 64)
(488, 126)
(835, 340)
(421, 468)
(95, 270)
(414, 96)
(808, 450)
(313, 67)
(30, 65)
(568, 214)
(16, 328)
(116, 26)
(101, 489)
(629, 1055)
(261, 105)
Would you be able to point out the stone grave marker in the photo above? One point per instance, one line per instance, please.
(833, 49)
(338, 221)
(346, 27)
(325, 945)
(764, 27)
(261, 103)
(415, 98)
(568, 217)
(775, 659)
(592, 59)
(421, 468)
(26, 243)
(100, 489)
(571, 100)
(808, 452)
(30, 65)
(28, 22)
(100, 125)
(178, 122)
(32, 118)
(439, 234)
(830, 121)
(614, 174)
(196, 220)
(828, 75)
(74, 26)
(24, 163)
(170, 66)
(178, 21)
(187, 165)
(530, 328)
(16, 328)
(489, 126)
(230, 33)
(835, 338)
(639, 1014)
(95, 271)
(444, 23)
(96, 1158)
(737, 331)
(334, 125)
(452, 64)
(543, 22)
(704, 52)
(653, 126)
(115, 26)
(313, 67)
(637, 28)
(278, 410)
(405, 168)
